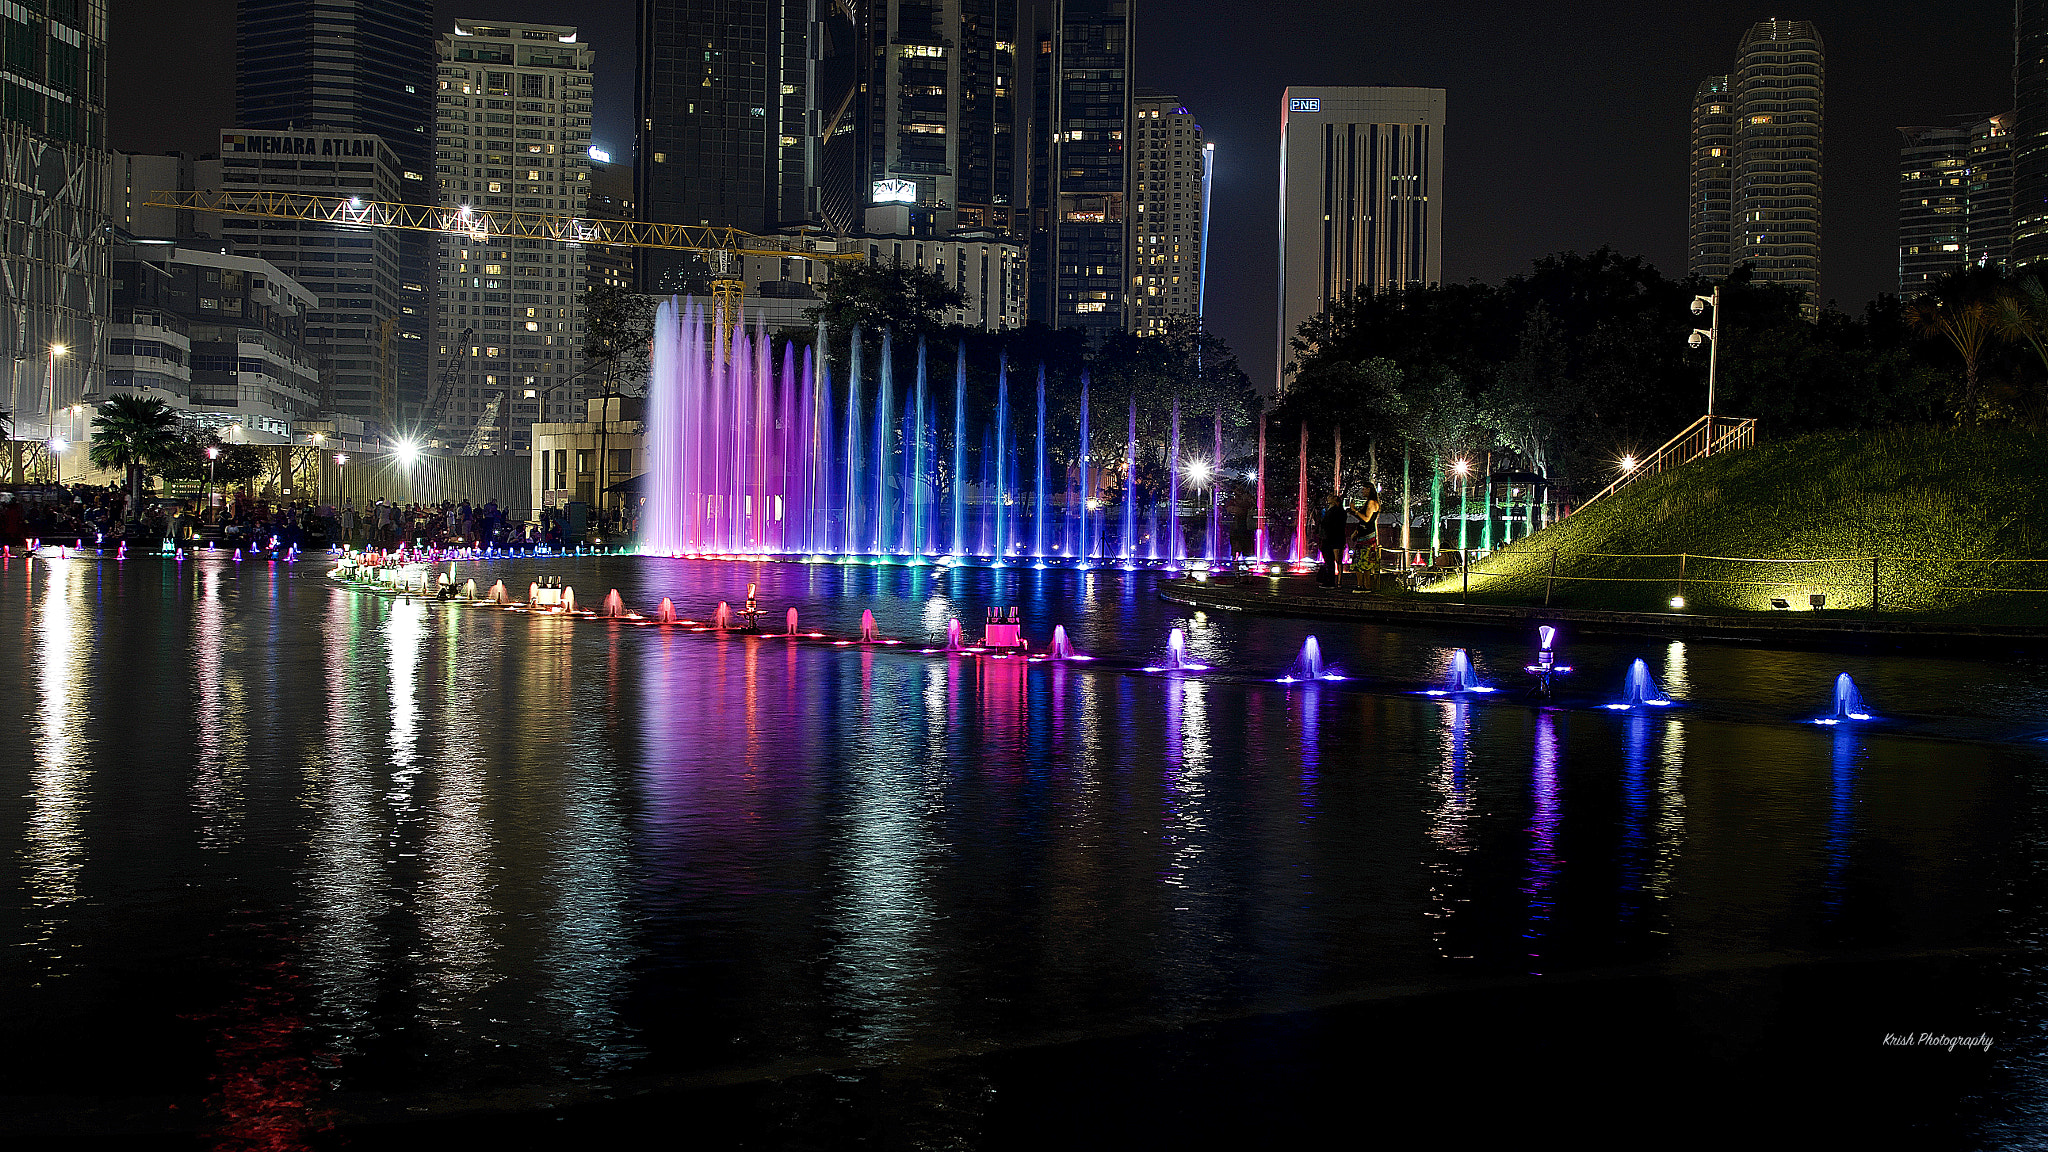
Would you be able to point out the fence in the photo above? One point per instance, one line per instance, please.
(1691, 580)
(1706, 436)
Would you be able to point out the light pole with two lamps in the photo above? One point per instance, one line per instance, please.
(1711, 336)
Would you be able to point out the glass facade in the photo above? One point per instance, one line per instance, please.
(1081, 175)
(1955, 200)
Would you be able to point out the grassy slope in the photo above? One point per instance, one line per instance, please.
(1931, 494)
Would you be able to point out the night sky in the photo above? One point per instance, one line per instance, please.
(1567, 123)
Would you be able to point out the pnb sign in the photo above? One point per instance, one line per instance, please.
(1304, 104)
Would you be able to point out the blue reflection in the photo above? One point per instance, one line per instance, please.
(1841, 825)
(1632, 856)
(1546, 809)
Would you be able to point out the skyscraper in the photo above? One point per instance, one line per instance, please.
(363, 67)
(1082, 121)
(2030, 133)
(1361, 197)
(513, 132)
(1713, 165)
(743, 116)
(1955, 200)
(939, 109)
(1169, 165)
(1775, 103)
(54, 201)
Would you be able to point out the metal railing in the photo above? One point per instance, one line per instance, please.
(1706, 436)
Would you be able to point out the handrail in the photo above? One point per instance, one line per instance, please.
(1735, 432)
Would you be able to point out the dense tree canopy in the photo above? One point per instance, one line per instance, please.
(1563, 369)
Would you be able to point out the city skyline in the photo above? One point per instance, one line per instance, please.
(1516, 189)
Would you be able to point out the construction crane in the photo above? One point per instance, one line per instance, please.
(728, 246)
(484, 424)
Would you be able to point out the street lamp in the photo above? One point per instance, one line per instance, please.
(1711, 337)
(212, 454)
(50, 392)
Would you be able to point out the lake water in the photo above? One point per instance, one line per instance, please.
(292, 865)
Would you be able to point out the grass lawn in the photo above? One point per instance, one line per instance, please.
(1923, 501)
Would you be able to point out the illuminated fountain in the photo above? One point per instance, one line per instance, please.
(666, 614)
(722, 618)
(867, 626)
(753, 451)
(1462, 677)
(790, 618)
(1848, 702)
(1308, 667)
(1177, 655)
(1640, 690)
(614, 607)
(953, 643)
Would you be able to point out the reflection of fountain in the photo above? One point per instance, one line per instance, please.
(666, 614)
(1640, 690)
(867, 626)
(1309, 665)
(1848, 702)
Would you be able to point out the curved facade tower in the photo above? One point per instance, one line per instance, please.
(1713, 161)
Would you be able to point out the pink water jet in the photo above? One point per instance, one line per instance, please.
(614, 607)
(722, 619)
(867, 626)
(953, 635)
(499, 595)
(568, 601)
(791, 616)
(666, 614)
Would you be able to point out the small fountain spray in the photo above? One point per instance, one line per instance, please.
(790, 616)
(666, 614)
(568, 601)
(1177, 655)
(614, 607)
(1308, 666)
(469, 589)
(1640, 690)
(1546, 668)
(532, 593)
(1848, 702)
(499, 595)
(867, 626)
(722, 619)
(953, 643)
(1461, 678)
(1062, 648)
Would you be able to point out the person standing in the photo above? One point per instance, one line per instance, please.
(1332, 525)
(1366, 555)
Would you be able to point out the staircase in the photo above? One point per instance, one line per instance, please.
(1706, 436)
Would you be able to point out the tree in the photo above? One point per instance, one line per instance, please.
(1963, 309)
(898, 297)
(618, 328)
(133, 433)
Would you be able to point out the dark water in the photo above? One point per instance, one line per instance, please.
(294, 865)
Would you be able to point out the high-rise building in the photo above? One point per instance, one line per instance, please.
(355, 272)
(54, 174)
(364, 67)
(611, 198)
(1713, 168)
(1775, 103)
(939, 110)
(513, 133)
(1082, 121)
(1169, 182)
(1955, 200)
(1361, 197)
(2030, 133)
(744, 118)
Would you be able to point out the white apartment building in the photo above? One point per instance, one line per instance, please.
(1170, 167)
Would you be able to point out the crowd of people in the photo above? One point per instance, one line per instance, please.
(85, 515)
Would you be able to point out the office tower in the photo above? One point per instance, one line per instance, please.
(1775, 103)
(1082, 120)
(939, 110)
(1168, 182)
(1955, 200)
(354, 271)
(2030, 133)
(1361, 197)
(611, 198)
(737, 103)
(1713, 168)
(512, 132)
(54, 172)
(363, 67)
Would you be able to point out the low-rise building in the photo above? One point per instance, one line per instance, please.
(580, 461)
(221, 338)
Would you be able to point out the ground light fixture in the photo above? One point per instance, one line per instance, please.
(1819, 600)
(1781, 602)
(1678, 601)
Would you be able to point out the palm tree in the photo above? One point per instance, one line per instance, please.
(133, 433)
(1969, 322)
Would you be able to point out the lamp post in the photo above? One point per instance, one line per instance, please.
(1711, 336)
(212, 454)
(50, 407)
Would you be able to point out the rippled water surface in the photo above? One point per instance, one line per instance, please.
(290, 862)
